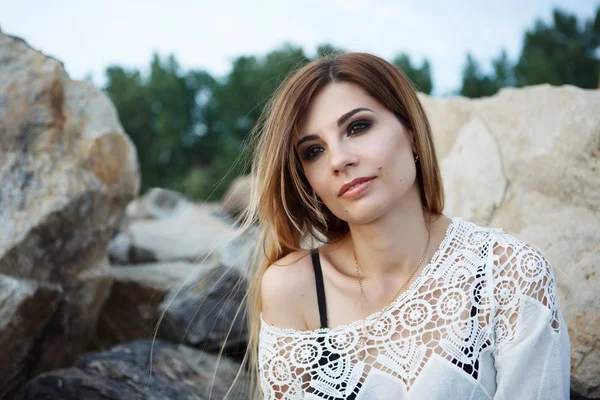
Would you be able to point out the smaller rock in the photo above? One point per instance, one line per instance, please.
(237, 197)
(122, 251)
(160, 203)
(131, 311)
(119, 249)
(25, 308)
(141, 370)
(237, 253)
(202, 314)
(188, 234)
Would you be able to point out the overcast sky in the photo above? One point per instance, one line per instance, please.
(89, 35)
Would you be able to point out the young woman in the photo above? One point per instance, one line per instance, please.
(362, 287)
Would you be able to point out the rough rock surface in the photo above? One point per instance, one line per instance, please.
(25, 308)
(186, 232)
(202, 313)
(528, 160)
(125, 373)
(132, 308)
(190, 302)
(67, 171)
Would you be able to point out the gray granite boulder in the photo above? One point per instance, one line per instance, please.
(67, 171)
(142, 370)
(132, 308)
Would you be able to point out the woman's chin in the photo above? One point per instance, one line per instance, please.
(362, 213)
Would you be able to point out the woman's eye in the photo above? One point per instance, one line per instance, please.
(358, 127)
(310, 153)
(353, 129)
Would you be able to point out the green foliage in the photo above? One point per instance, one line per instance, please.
(251, 82)
(327, 50)
(503, 71)
(195, 183)
(477, 84)
(190, 127)
(157, 114)
(561, 53)
(132, 100)
(209, 182)
(419, 76)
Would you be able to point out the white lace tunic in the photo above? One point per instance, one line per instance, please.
(480, 322)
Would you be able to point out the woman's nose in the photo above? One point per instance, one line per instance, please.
(341, 158)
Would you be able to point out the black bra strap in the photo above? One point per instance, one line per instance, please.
(320, 287)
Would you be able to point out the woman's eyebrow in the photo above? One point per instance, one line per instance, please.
(345, 117)
(340, 121)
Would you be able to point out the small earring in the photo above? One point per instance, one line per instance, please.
(417, 158)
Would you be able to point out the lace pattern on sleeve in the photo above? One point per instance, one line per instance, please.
(520, 271)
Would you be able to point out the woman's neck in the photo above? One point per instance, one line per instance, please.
(394, 244)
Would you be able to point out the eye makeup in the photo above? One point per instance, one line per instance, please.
(357, 127)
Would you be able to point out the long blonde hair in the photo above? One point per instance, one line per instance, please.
(280, 200)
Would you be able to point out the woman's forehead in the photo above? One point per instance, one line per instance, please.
(331, 103)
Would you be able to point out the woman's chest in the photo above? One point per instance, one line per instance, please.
(437, 379)
(442, 328)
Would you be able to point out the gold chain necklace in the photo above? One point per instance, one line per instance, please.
(363, 339)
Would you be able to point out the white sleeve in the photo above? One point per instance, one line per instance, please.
(277, 368)
(532, 350)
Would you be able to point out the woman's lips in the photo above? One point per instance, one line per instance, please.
(357, 189)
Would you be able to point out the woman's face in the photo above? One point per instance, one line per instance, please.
(346, 134)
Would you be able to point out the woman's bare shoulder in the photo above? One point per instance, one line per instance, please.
(288, 290)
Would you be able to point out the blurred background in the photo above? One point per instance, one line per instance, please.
(190, 78)
(121, 268)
